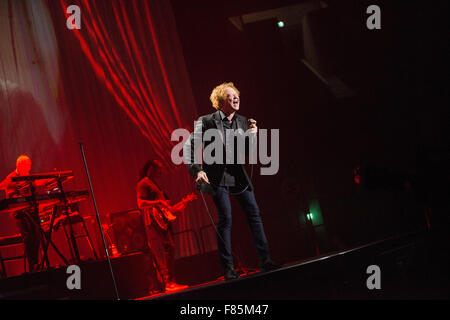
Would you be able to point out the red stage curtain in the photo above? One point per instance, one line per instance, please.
(119, 85)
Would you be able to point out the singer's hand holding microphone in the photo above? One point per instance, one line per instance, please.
(252, 126)
(201, 178)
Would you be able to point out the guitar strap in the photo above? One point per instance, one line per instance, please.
(160, 190)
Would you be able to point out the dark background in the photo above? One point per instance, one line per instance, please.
(390, 126)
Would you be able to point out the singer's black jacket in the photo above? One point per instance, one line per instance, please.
(214, 171)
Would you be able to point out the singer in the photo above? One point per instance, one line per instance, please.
(222, 179)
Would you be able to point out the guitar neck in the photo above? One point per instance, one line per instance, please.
(176, 205)
(185, 200)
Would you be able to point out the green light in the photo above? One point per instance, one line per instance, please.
(309, 216)
(280, 24)
(315, 212)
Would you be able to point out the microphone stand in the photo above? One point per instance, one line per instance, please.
(99, 223)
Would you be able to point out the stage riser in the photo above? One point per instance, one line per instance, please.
(198, 269)
(132, 274)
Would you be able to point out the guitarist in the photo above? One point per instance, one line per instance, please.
(157, 216)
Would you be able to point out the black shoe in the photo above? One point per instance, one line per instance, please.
(270, 266)
(230, 274)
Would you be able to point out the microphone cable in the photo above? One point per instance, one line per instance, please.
(238, 259)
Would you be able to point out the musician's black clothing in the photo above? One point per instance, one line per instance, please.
(231, 172)
(162, 247)
(11, 188)
(26, 220)
(160, 241)
(218, 173)
(28, 224)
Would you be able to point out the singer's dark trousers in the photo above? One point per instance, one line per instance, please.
(248, 204)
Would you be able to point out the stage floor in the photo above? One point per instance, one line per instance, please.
(408, 271)
(249, 275)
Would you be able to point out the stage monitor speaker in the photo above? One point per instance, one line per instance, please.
(129, 231)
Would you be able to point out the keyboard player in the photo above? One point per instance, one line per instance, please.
(27, 220)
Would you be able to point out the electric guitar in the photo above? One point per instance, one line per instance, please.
(161, 215)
